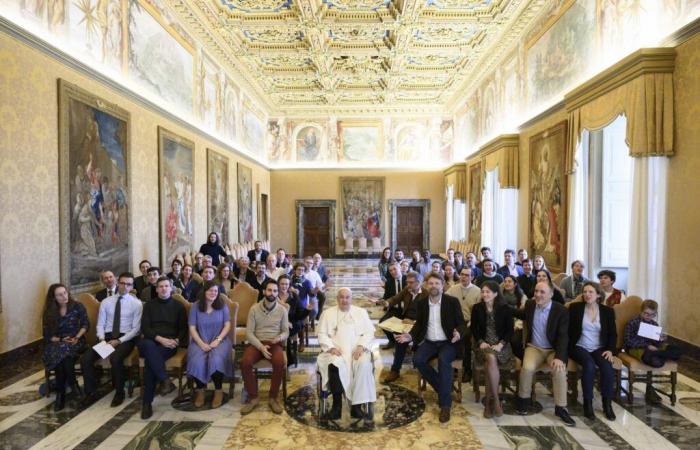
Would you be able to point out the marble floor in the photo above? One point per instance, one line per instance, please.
(402, 419)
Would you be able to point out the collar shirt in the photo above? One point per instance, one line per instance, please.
(435, 332)
(130, 317)
(539, 326)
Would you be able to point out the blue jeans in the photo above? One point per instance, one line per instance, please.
(440, 380)
(154, 356)
(588, 362)
(399, 355)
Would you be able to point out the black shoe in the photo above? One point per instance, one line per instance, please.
(146, 411)
(467, 376)
(563, 414)
(88, 399)
(588, 409)
(60, 402)
(335, 412)
(117, 400)
(356, 412)
(444, 415)
(651, 397)
(166, 387)
(522, 405)
(608, 410)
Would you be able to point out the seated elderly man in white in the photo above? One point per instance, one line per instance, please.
(345, 334)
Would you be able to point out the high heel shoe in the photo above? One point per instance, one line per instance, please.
(608, 410)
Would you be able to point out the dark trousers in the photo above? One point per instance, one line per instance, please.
(65, 373)
(154, 356)
(440, 380)
(399, 355)
(116, 359)
(334, 383)
(217, 377)
(252, 355)
(657, 358)
(467, 342)
(391, 312)
(588, 362)
(321, 297)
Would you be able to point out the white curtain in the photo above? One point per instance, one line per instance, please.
(577, 242)
(459, 210)
(648, 228)
(487, 210)
(449, 213)
(499, 220)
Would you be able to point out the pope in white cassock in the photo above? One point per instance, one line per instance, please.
(345, 334)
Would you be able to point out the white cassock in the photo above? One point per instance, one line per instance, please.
(345, 331)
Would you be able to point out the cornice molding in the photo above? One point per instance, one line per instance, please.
(499, 142)
(455, 168)
(643, 61)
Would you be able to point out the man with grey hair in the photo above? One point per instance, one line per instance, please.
(345, 336)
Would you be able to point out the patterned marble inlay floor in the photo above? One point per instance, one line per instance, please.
(27, 420)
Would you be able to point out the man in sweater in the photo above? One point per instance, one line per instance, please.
(266, 331)
(573, 284)
(164, 329)
(468, 295)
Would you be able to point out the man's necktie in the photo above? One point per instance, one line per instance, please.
(117, 318)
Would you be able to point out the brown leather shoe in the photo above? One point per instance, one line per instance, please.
(275, 406)
(488, 408)
(249, 406)
(166, 387)
(198, 398)
(444, 415)
(217, 399)
(391, 377)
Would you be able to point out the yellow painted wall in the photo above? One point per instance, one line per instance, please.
(29, 206)
(291, 185)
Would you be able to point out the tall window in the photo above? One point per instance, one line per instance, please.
(498, 216)
(455, 219)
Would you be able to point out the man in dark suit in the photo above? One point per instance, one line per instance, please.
(438, 331)
(546, 335)
(259, 254)
(109, 281)
(150, 292)
(142, 281)
(509, 267)
(395, 282)
(527, 280)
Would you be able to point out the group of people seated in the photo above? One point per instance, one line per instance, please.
(472, 308)
(140, 312)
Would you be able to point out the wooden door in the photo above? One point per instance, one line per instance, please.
(316, 231)
(409, 228)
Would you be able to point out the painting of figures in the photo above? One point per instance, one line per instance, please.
(308, 143)
(159, 58)
(230, 109)
(253, 131)
(562, 55)
(217, 194)
(548, 203)
(94, 174)
(176, 163)
(475, 194)
(363, 207)
(411, 141)
(209, 94)
(361, 141)
(245, 204)
(96, 26)
(277, 141)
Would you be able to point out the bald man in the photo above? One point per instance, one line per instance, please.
(345, 335)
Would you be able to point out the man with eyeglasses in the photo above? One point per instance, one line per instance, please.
(118, 324)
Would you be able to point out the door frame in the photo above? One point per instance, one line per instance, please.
(397, 203)
(300, 205)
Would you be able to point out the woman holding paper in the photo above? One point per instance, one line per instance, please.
(209, 352)
(592, 342)
(492, 330)
(65, 323)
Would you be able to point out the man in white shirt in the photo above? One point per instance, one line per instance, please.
(468, 295)
(345, 336)
(118, 324)
(271, 268)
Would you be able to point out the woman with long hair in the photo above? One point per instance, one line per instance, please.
(492, 330)
(543, 276)
(224, 278)
(65, 323)
(213, 248)
(539, 264)
(209, 353)
(384, 262)
(186, 283)
(512, 294)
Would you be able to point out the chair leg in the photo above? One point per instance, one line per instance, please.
(630, 387)
(47, 380)
(141, 383)
(618, 386)
(674, 380)
(284, 386)
(179, 381)
(476, 384)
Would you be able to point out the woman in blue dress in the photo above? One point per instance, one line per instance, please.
(209, 352)
(65, 323)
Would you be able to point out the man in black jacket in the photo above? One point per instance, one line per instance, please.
(109, 281)
(438, 330)
(395, 282)
(546, 335)
(259, 254)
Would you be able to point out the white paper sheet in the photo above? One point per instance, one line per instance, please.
(395, 325)
(649, 331)
(103, 349)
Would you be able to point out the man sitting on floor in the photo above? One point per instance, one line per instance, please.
(345, 335)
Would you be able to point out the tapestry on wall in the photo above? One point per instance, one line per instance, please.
(362, 202)
(217, 195)
(548, 201)
(475, 194)
(245, 204)
(94, 187)
(176, 170)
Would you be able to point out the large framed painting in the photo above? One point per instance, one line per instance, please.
(476, 188)
(362, 201)
(308, 143)
(263, 225)
(361, 141)
(176, 174)
(94, 174)
(217, 195)
(245, 203)
(548, 196)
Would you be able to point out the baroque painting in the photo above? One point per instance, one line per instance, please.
(245, 204)
(560, 57)
(475, 194)
(94, 174)
(253, 131)
(361, 140)
(176, 170)
(363, 207)
(308, 143)
(411, 141)
(217, 194)
(548, 196)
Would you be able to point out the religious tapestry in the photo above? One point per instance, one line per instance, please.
(217, 195)
(475, 194)
(245, 204)
(362, 201)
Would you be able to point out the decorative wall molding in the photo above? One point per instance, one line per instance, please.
(300, 205)
(395, 203)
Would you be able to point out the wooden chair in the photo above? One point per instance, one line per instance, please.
(176, 365)
(246, 296)
(479, 374)
(197, 277)
(233, 314)
(456, 378)
(556, 279)
(668, 373)
(266, 366)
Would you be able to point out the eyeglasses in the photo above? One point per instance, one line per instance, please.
(124, 283)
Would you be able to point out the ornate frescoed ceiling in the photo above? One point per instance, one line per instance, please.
(335, 55)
